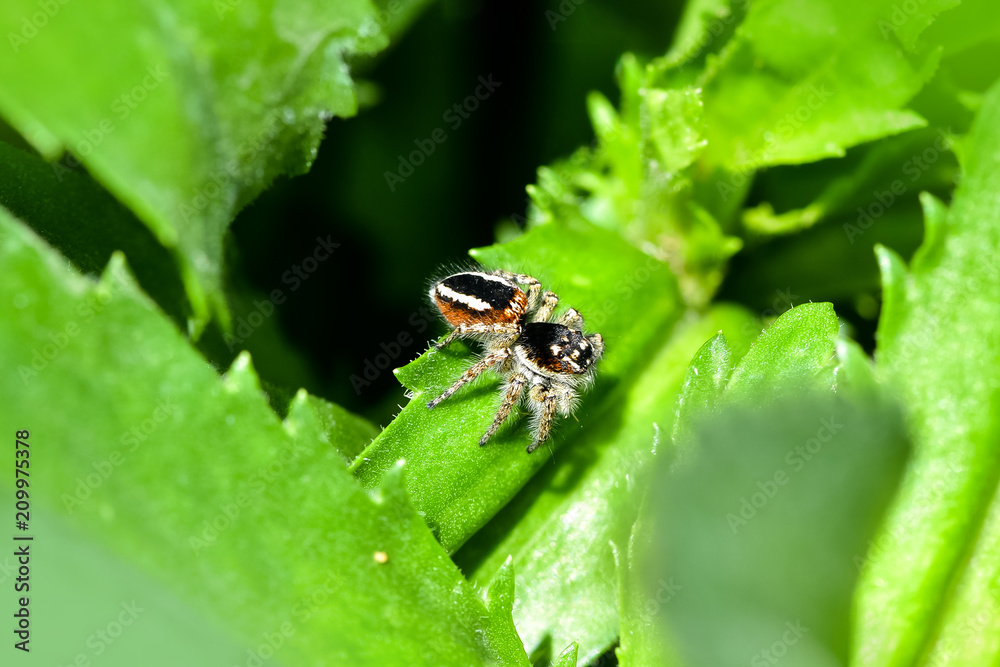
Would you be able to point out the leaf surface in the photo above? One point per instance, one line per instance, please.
(630, 298)
(758, 530)
(939, 347)
(194, 480)
(189, 122)
(560, 527)
(800, 82)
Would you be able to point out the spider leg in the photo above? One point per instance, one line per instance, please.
(549, 405)
(571, 319)
(549, 302)
(534, 291)
(534, 287)
(597, 342)
(452, 336)
(473, 329)
(514, 388)
(468, 376)
(520, 278)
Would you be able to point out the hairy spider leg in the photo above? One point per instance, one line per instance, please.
(475, 371)
(571, 319)
(514, 388)
(474, 329)
(534, 287)
(521, 278)
(596, 342)
(549, 405)
(549, 303)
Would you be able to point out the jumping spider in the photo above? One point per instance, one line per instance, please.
(552, 358)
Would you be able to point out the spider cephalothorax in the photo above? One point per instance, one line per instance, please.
(549, 359)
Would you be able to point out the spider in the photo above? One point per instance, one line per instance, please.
(550, 358)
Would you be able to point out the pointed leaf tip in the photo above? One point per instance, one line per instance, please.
(894, 276)
(568, 656)
(500, 594)
(392, 488)
(242, 376)
(935, 228)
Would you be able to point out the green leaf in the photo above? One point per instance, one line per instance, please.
(674, 117)
(642, 642)
(101, 609)
(908, 26)
(855, 370)
(567, 658)
(969, 631)
(704, 28)
(704, 381)
(800, 82)
(882, 175)
(637, 180)
(793, 354)
(797, 353)
(630, 298)
(939, 347)
(793, 357)
(971, 23)
(138, 443)
(347, 433)
(759, 530)
(191, 122)
(560, 527)
(86, 224)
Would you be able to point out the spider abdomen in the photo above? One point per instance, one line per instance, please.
(479, 298)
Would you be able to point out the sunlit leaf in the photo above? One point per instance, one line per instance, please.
(138, 443)
(191, 121)
(939, 348)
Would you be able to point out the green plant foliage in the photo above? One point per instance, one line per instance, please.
(63, 209)
(938, 346)
(567, 658)
(759, 530)
(704, 381)
(794, 357)
(794, 354)
(897, 168)
(98, 607)
(803, 266)
(750, 86)
(642, 639)
(638, 180)
(802, 97)
(560, 528)
(345, 432)
(704, 28)
(226, 95)
(728, 491)
(201, 485)
(630, 298)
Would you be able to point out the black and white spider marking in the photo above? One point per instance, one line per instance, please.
(549, 359)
